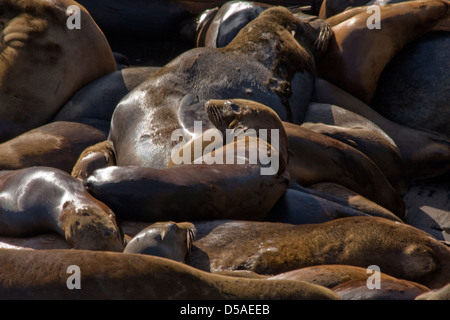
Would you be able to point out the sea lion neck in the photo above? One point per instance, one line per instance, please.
(270, 39)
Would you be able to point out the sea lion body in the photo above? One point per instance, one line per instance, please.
(377, 147)
(274, 248)
(43, 274)
(38, 70)
(312, 152)
(268, 66)
(40, 200)
(424, 154)
(354, 59)
(352, 283)
(94, 104)
(209, 187)
(56, 144)
(414, 88)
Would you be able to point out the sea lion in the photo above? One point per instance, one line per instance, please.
(42, 199)
(354, 59)
(376, 146)
(438, 294)
(39, 71)
(216, 28)
(94, 104)
(354, 200)
(44, 274)
(351, 282)
(414, 88)
(48, 241)
(56, 144)
(297, 207)
(208, 187)
(330, 8)
(345, 165)
(164, 239)
(424, 154)
(390, 289)
(269, 66)
(273, 248)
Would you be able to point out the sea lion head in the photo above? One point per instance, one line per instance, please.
(310, 32)
(91, 226)
(164, 239)
(242, 115)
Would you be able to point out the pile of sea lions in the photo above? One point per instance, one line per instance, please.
(338, 161)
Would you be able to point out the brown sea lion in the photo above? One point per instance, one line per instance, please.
(351, 282)
(345, 165)
(377, 146)
(216, 28)
(424, 154)
(56, 144)
(274, 248)
(270, 66)
(40, 200)
(330, 8)
(43, 274)
(298, 207)
(210, 186)
(39, 71)
(414, 88)
(354, 200)
(390, 289)
(354, 59)
(164, 239)
(94, 104)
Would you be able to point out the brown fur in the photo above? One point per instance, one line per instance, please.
(378, 147)
(57, 203)
(354, 200)
(57, 144)
(350, 282)
(38, 75)
(399, 250)
(345, 165)
(96, 156)
(169, 240)
(424, 154)
(196, 191)
(43, 274)
(354, 60)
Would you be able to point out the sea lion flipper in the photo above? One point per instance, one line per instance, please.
(98, 156)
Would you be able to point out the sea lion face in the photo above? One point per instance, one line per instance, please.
(91, 227)
(241, 114)
(164, 239)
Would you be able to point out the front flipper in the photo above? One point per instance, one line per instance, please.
(100, 155)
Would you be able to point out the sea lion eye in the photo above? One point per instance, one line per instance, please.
(235, 107)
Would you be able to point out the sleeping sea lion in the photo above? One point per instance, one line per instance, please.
(40, 200)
